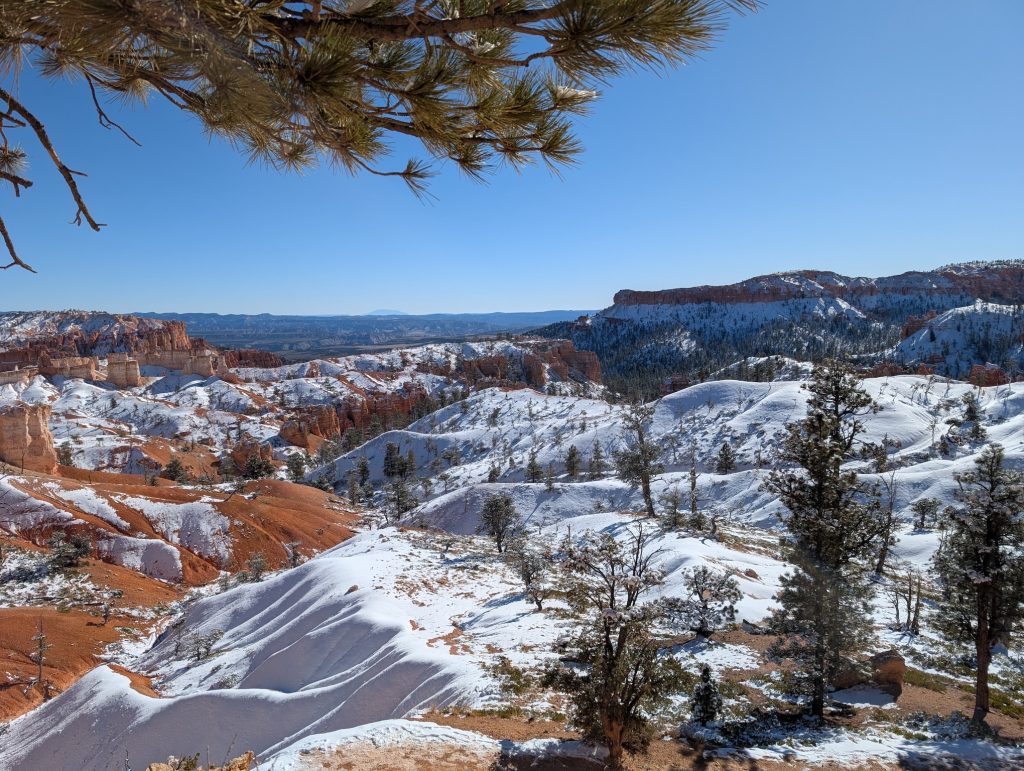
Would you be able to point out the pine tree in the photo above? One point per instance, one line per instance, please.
(618, 671)
(257, 467)
(925, 510)
(393, 462)
(672, 514)
(572, 462)
(409, 467)
(638, 462)
(499, 519)
(705, 701)
(66, 551)
(363, 470)
(597, 466)
(534, 473)
(256, 566)
(835, 525)
(726, 461)
(399, 500)
(353, 487)
(980, 566)
(709, 602)
(696, 515)
(175, 471)
(296, 465)
(549, 478)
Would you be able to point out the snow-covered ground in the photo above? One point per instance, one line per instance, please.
(399, 621)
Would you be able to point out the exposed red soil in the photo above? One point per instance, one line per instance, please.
(77, 638)
(266, 515)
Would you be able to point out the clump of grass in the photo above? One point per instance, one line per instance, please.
(937, 683)
(514, 680)
(1001, 701)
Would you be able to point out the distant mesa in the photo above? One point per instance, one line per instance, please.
(386, 312)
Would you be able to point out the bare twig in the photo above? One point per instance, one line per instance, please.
(69, 175)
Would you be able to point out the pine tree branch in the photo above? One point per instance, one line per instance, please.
(409, 26)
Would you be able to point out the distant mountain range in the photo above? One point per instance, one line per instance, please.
(302, 337)
(649, 338)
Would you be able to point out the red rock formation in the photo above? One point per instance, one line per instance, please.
(250, 357)
(561, 358)
(311, 427)
(241, 453)
(1002, 283)
(25, 438)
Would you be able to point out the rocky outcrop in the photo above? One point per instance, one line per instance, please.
(886, 671)
(562, 360)
(248, 448)
(123, 371)
(25, 438)
(17, 374)
(85, 367)
(241, 763)
(250, 357)
(311, 427)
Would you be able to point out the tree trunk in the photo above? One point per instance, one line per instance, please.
(883, 555)
(984, 655)
(613, 731)
(819, 684)
(648, 500)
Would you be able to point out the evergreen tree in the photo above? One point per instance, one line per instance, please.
(296, 467)
(705, 701)
(638, 462)
(572, 462)
(353, 487)
(672, 512)
(65, 454)
(257, 467)
(493, 473)
(393, 461)
(925, 510)
(726, 461)
(549, 478)
(709, 602)
(597, 466)
(409, 468)
(532, 568)
(399, 500)
(697, 521)
(499, 519)
(835, 525)
(534, 473)
(618, 671)
(175, 471)
(256, 566)
(67, 551)
(980, 566)
(363, 470)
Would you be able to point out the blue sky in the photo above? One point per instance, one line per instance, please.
(864, 136)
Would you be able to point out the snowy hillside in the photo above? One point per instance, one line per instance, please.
(960, 338)
(399, 628)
